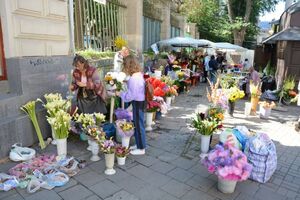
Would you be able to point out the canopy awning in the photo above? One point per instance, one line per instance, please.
(183, 42)
(289, 34)
(228, 46)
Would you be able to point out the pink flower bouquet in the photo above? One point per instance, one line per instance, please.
(228, 163)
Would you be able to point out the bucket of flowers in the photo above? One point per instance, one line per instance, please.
(61, 124)
(151, 108)
(125, 130)
(96, 135)
(255, 91)
(206, 127)
(121, 153)
(233, 94)
(54, 103)
(229, 164)
(265, 109)
(108, 147)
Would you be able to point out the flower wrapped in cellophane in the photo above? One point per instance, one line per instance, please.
(125, 128)
(114, 81)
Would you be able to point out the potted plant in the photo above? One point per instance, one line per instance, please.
(265, 109)
(229, 164)
(233, 94)
(121, 153)
(206, 127)
(125, 130)
(61, 123)
(96, 135)
(152, 107)
(108, 148)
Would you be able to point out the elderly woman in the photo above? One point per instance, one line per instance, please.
(91, 92)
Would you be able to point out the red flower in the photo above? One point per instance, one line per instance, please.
(158, 92)
(162, 85)
(156, 83)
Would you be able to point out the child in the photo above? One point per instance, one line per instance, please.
(136, 95)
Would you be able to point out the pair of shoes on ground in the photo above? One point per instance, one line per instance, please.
(135, 151)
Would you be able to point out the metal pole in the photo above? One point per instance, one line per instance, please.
(71, 27)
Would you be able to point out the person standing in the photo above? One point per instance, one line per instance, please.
(206, 67)
(136, 95)
(246, 65)
(213, 66)
(91, 93)
(118, 59)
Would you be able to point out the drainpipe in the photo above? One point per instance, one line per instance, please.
(71, 27)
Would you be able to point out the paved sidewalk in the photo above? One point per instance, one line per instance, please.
(170, 170)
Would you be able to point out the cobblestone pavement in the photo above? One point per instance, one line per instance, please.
(170, 170)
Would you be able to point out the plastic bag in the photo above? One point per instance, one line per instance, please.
(261, 153)
(7, 182)
(68, 166)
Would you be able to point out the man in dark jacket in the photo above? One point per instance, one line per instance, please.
(213, 66)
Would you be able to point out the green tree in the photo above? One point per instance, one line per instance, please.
(227, 20)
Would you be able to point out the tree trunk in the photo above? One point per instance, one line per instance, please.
(239, 34)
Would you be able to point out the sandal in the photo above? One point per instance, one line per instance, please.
(19, 153)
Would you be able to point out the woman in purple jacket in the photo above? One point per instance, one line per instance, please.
(136, 95)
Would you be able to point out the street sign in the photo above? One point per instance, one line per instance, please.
(101, 1)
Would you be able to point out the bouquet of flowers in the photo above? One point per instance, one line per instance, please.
(204, 126)
(266, 104)
(217, 96)
(176, 68)
(234, 94)
(85, 120)
(228, 163)
(216, 112)
(152, 106)
(125, 129)
(54, 103)
(167, 80)
(61, 123)
(114, 81)
(96, 133)
(122, 151)
(120, 42)
(123, 114)
(108, 146)
(99, 118)
(180, 75)
(255, 90)
(171, 91)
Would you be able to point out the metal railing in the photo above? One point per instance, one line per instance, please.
(97, 25)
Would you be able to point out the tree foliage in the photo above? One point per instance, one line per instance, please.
(227, 20)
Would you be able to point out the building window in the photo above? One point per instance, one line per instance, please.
(2, 57)
(151, 32)
(175, 32)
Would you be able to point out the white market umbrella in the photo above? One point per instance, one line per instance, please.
(183, 42)
(228, 46)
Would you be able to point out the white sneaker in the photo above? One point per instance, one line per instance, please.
(138, 152)
(133, 147)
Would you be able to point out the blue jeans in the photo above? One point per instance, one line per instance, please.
(139, 126)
